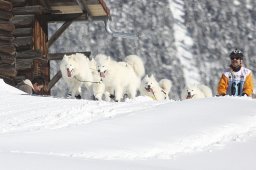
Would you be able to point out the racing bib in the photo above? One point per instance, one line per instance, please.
(236, 81)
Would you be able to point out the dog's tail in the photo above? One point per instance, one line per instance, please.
(166, 85)
(137, 64)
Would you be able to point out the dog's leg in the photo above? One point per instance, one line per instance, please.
(132, 93)
(118, 94)
(98, 90)
(107, 96)
(76, 91)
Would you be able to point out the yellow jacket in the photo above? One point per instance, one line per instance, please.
(228, 76)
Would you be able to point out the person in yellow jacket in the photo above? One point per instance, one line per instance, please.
(236, 80)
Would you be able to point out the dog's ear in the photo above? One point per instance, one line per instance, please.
(146, 76)
(152, 76)
(66, 57)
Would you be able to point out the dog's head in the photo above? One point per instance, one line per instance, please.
(191, 92)
(102, 64)
(149, 83)
(69, 64)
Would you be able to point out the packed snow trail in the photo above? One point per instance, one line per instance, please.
(138, 129)
(51, 113)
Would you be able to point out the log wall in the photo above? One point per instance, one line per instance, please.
(24, 35)
(23, 38)
(7, 47)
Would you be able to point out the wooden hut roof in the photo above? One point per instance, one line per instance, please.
(60, 9)
(63, 10)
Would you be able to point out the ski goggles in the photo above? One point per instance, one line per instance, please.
(235, 57)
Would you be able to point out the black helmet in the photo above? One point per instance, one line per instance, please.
(236, 53)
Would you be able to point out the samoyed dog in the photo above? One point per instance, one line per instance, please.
(76, 72)
(156, 90)
(120, 78)
(196, 91)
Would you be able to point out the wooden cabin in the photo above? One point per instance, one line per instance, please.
(24, 40)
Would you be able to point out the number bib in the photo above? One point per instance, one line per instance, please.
(236, 81)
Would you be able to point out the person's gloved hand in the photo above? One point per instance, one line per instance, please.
(221, 95)
(244, 94)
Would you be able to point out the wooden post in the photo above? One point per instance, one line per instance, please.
(54, 80)
(56, 35)
(40, 35)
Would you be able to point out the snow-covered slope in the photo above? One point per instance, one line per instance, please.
(54, 133)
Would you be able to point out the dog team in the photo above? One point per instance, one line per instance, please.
(108, 79)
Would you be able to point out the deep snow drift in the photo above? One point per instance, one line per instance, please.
(55, 133)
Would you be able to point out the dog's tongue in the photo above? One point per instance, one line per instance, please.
(148, 89)
(68, 72)
(102, 74)
(189, 96)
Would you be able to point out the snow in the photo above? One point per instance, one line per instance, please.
(44, 132)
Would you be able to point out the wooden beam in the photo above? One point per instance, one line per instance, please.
(96, 10)
(45, 3)
(23, 21)
(17, 3)
(7, 59)
(7, 26)
(59, 56)
(23, 64)
(23, 43)
(29, 54)
(54, 80)
(6, 39)
(102, 2)
(7, 70)
(5, 15)
(5, 33)
(40, 34)
(82, 5)
(36, 9)
(22, 32)
(67, 9)
(66, 17)
(8, 49)
(5, 5)
(57, 34)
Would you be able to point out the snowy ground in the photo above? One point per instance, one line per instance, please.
(141, 134)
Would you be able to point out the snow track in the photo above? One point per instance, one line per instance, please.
(139, 129)
(51, 113)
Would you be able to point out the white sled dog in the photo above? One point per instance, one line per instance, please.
(120, 78)
(196, 92)
(156, 90)
(77, 72)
